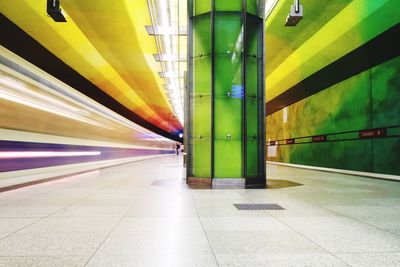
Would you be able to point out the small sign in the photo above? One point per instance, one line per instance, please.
(319, 138)
(237, 91)
(272, 143)
(372, 133)
(290, 141)
(272, 151)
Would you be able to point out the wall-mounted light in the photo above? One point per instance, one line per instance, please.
(54, 11)
(295, 14)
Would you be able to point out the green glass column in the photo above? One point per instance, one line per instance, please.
(225, 110)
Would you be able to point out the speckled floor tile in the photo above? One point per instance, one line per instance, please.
(251, 242)
(11, 225)
(121, 217)
(96, 211)
(45, 243)
(167, 242)
(153, 260)
(279, 259)
(371, 259)
(243, 224)
(45, 261)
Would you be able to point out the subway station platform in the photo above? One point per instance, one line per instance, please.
(143, 214)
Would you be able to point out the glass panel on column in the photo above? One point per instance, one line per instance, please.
(202, 35)
(253, 96)
(252, 6)
(201, 97)
(228, 5)
(228, 95)
(201, 7)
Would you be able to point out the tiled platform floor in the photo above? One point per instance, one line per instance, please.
(120, 217)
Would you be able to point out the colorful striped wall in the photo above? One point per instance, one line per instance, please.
(368, 100)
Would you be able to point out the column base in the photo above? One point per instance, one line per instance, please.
(228, 183)
(225, 182)
(198, 181)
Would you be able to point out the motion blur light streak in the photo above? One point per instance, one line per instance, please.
(57, 99)
(23, 89)
(45, 154)
(22, 101)
(18, 92)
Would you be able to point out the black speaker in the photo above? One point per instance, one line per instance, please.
(54, 11)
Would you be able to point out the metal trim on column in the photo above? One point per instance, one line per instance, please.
(212, 20)
(263, 108)
(244, 107)
(259, 180)
(188, 92)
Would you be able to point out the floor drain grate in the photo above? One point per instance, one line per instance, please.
(258, 207)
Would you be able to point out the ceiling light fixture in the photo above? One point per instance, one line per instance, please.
(167, 30)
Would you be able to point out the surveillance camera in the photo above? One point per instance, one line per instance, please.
(295, 15)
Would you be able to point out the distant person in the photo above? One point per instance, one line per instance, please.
(177, 148)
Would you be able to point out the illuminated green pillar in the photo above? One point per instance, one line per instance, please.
(225, 106)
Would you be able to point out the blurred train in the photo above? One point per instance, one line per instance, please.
(49, 129)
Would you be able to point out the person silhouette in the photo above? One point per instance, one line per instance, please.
(177, 148)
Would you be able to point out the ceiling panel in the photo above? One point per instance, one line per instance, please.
(106, 42)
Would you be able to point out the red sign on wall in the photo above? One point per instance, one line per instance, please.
(319, 138)
(289, 141)
(372, 133)
(272, 143)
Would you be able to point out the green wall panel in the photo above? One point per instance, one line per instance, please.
(201, 35)
(252, 7)
(252, 153)
(201, 140)
(339, 155)
(252, 116)
(253, 57)
(201, 7)
(366, 100)
(386, 155)
(228, 159)
(386, 93)
(343, 107)
(202, 158)
(228, 5)
(201, 107)
(228, 27)
(251, 76)
(228, 73)
(253, 30)
(228, 109)
(386, 112)
(225, 125)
